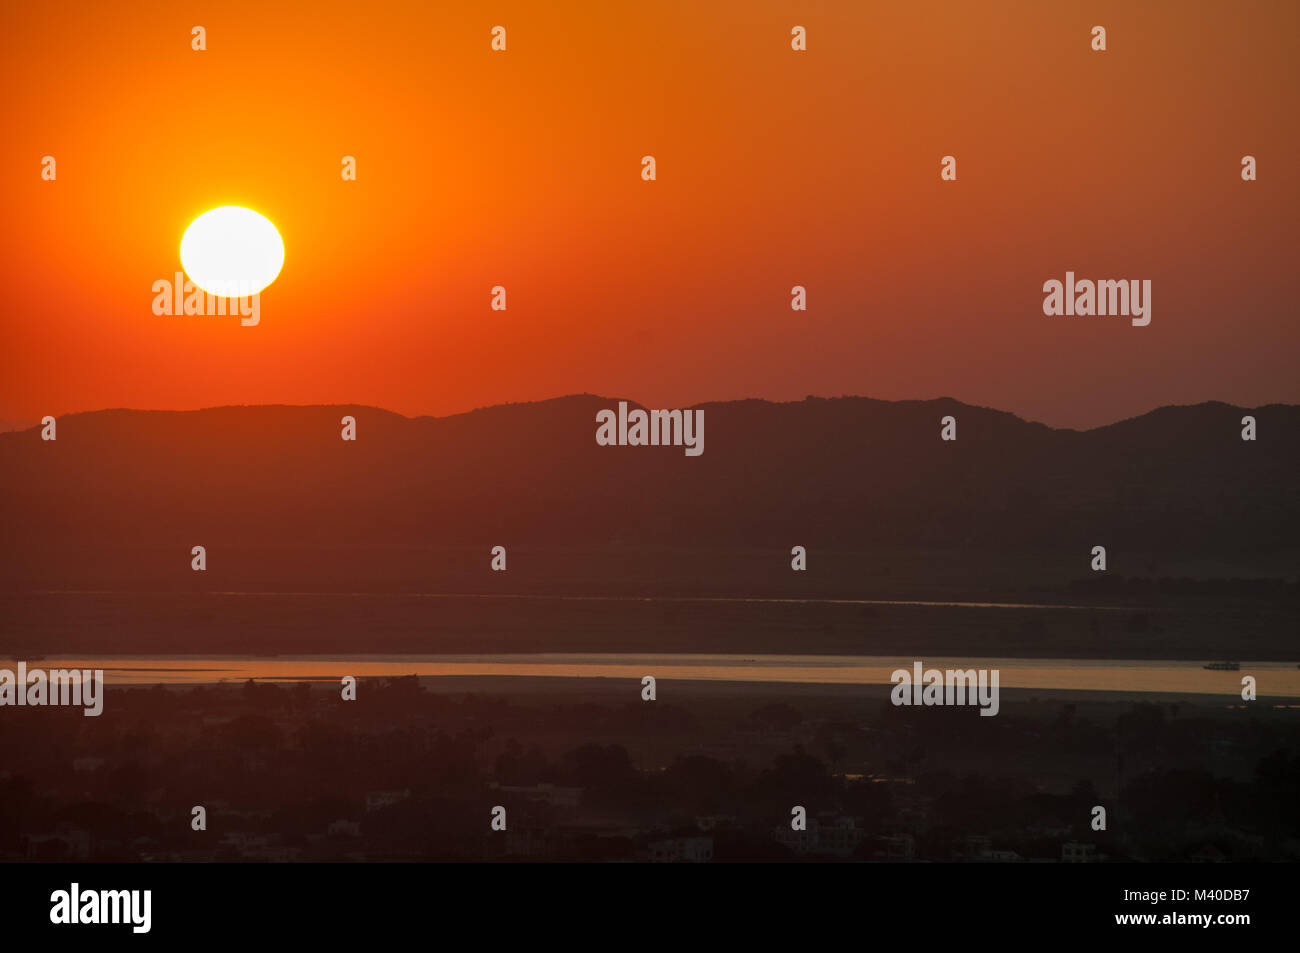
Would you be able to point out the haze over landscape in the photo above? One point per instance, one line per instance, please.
(1200, 528)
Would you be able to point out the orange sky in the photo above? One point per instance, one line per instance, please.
(775, 168)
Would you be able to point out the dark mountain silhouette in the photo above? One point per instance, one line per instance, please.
(848, 473)
(887, 510)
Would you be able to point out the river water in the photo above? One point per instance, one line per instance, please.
(1274, 679)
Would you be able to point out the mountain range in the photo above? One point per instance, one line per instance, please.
(120, 497)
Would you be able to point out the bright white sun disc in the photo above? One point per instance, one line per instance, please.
(232, 251)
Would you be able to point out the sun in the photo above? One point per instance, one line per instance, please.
(232, 251)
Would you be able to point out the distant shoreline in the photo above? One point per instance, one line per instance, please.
(856, 675)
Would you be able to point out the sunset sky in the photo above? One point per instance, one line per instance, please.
(775, 168)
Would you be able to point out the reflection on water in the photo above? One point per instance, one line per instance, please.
(1273, 679)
